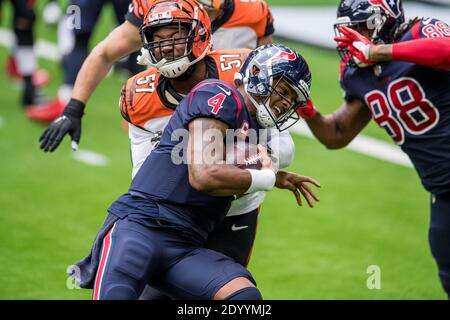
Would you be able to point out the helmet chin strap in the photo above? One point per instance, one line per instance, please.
(160, 63)
(175, 69)
(187, 74)
(144, 59)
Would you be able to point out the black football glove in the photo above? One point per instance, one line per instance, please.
(68, 122)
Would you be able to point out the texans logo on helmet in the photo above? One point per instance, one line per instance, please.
(285, 55)
(275, 56)
(391, 6)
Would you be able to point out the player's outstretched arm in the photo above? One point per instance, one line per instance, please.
(120, 42)
(432, 52)
(207, 169)
(338, 129)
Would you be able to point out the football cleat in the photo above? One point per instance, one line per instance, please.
(40, 77)
(45, 112)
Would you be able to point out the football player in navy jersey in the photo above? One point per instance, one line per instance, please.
(397, 73)
(156, 231)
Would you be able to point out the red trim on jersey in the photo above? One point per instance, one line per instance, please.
(238, 113)
(199, 86)
(415, 30)
(431, 52)
(102, 265)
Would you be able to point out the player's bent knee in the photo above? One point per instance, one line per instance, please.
(119, 292)
(439, 243)
(249, 293)
(233, 287)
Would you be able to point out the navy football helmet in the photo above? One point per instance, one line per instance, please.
(381, 17)
(262, 74)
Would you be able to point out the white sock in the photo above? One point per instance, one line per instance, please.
(26, 60)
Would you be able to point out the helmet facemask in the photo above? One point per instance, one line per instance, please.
(370, 28)
(187, 31)
(378, 24)
(276, 99)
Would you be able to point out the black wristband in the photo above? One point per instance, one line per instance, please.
(74, 108)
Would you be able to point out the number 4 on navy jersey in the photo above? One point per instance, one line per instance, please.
(216, 102)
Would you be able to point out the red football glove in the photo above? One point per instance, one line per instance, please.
(307, 111)
(356, 44)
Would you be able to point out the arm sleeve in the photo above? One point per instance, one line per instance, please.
(431, 52)
(429, 45)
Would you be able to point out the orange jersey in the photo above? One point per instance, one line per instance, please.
(242, 23)
(144, 98)
(254, 14)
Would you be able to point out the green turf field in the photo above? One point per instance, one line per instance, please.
(371, 212)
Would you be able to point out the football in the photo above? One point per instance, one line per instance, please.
(243, 155)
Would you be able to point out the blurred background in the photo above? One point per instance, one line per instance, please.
(373, 209)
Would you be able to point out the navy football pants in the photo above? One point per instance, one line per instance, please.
(23, 21)
(439, 237)
(90, 12)
(133, 253)
(234, 237)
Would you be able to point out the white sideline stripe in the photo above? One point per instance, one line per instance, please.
(91, 158)
(368, 146)
(44, 48)
(362, 144)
